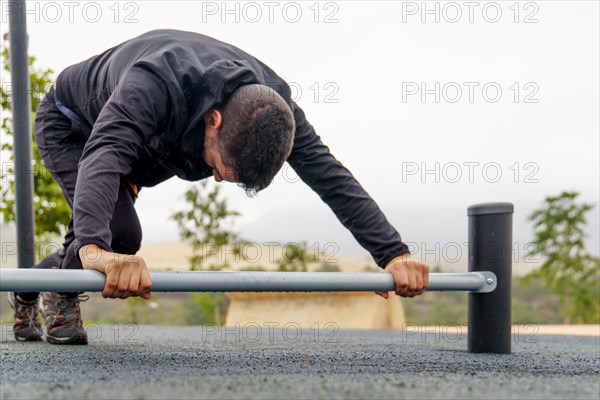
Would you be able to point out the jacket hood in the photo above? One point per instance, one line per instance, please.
(194, 94)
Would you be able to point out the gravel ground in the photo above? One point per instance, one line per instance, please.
(148, 362)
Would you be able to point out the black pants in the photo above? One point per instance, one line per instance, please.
(60, 143)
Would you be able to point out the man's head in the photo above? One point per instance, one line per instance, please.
(249, 137)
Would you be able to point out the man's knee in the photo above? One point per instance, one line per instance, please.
(125, 225)
(126, 242)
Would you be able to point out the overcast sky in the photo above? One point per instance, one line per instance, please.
(492, 102)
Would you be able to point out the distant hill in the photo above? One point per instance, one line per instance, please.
(174, 255)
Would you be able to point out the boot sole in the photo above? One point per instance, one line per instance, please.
(67, 341)
(28, 339)
(74, 340)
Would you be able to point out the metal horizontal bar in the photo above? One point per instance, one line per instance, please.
(56, 280)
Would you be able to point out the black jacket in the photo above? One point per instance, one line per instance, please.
(141, 105)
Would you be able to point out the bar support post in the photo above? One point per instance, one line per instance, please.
(490, 249)
(21, 115)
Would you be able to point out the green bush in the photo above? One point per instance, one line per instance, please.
(328, 267)
(206, 308)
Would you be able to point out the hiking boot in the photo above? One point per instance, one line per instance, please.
(62, 314)
(27, 327)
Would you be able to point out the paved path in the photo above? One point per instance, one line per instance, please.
(192, 362)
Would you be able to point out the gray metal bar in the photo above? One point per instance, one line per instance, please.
(21, 116)
(56, 280)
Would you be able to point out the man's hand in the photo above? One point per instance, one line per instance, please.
(126, 275)
(410, 276)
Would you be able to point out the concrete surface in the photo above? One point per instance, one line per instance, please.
(252, 361)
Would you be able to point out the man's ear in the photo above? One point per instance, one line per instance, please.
(213, 119)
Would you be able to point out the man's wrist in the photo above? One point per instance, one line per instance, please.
(89, 252)
(401, 258)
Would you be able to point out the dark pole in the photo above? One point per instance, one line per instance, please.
(21, 114)
(490, 249)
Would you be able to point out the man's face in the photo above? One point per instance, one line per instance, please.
(212, 154)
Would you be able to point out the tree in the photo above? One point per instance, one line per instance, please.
(52, 212)
(296, 257)
(568, 270)
(204, 226)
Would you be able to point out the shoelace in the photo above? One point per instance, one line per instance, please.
(28, 314)
(68, 307)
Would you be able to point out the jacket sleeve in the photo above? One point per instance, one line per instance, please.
(133, 112)
(336, 186)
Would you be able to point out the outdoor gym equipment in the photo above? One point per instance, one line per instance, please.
(488, 280)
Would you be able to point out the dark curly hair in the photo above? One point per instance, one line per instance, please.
(256, 135)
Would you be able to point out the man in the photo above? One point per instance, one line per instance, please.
(171, 103)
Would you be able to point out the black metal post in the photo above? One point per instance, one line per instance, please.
(490, 249)
(21, 115)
